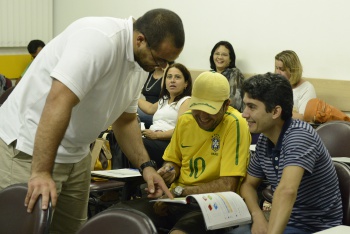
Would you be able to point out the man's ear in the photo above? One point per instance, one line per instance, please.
(227, 104)
(140, 38)
(276, 112)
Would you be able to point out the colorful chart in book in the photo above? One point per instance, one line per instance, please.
(218, 207)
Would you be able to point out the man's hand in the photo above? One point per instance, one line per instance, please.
(149, 134)
(260, 224)
(168, 173)
(155, 184)
(40, 184)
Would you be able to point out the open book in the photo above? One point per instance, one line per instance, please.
(220, 210)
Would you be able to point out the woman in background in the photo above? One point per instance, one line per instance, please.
(151, 91)
(223, 60)
(174, 98)
(287, 63)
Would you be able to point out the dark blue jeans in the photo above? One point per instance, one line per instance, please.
(245, 229)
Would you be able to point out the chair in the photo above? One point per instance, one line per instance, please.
(5, 95)
(119, 220)
(343, 173)
(335, 135)
(267, 194)
(13, 214)
(96, 189)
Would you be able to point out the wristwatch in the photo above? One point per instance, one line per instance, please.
(178, 190)
(150, 163)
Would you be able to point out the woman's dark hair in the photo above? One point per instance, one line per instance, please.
(164, 93)
(271, 89)
(232, 54)
(160, 24)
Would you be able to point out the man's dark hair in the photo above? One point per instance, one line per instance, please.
(159, 24)
(272, 90)
(231, 51)
(34, 45)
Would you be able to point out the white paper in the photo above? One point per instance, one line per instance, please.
(342, 229)
(117, 173)
(341, 159)
(179, 200)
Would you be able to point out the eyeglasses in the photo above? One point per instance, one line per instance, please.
(222, 54)
(159, 61)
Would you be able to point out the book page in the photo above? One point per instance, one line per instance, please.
(117, 173)
(223, 209)
(180, 200)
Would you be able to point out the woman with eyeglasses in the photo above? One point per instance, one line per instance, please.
(223, 60)
(173, 102)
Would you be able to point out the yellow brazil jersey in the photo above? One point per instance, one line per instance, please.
(206, 155)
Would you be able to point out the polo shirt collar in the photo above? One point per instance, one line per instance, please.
(274, 151)
(129, 45)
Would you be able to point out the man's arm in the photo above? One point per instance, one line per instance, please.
(249, 194)
(284, 198)
(147, 107)
(224, 183)
(51, 129)
(128, 134)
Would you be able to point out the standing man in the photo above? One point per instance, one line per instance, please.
(87, 78)
(290, 154)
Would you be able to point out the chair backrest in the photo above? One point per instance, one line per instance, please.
(336, 135)
(119, 220)
(13, 214)
(343, 172)
(5, 95)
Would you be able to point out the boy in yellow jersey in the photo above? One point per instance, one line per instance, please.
(210, 146)
(208, 152)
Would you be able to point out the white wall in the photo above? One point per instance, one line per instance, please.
(318, 31)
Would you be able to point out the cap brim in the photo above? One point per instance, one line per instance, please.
(210, 107)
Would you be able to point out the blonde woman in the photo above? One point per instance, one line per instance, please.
(287, 63)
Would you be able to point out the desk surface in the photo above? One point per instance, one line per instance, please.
(131, 177)
(341, 159)
(342, 229)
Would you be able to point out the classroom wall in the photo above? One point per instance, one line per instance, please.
(12, 66)
(317, 31)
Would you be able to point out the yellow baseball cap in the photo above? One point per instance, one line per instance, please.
(209, 92)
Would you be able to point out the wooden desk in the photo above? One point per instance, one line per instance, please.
(131, 177)
(342, 229)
